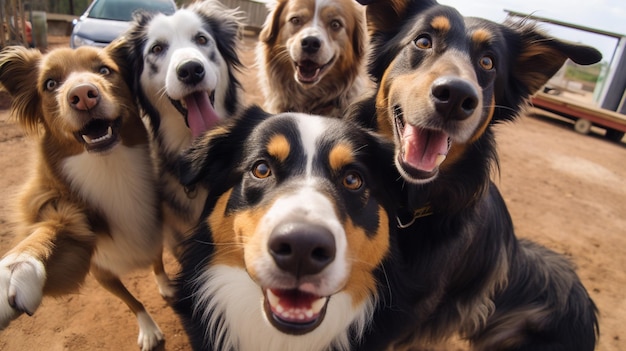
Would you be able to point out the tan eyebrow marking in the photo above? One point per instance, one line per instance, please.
(279, 147)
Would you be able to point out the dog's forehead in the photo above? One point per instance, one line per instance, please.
(65, 60)
(305, 136)
(183, 24)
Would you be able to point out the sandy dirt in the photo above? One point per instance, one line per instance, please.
(564, 190)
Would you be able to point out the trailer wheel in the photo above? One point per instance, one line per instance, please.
(614, 135)
(582, 126)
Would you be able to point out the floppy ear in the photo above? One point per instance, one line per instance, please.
(118, 50)
(213, 156)
(269, 33)
(541, 56)
(19, 70)
(386, 15)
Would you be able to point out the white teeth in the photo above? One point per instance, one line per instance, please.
(88, 140)
(440, 159)
(317, 306)
(273, 299)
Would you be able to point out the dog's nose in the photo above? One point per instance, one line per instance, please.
(454, 98)
(83, 97)
(190, 72)
(311, 44)
(302, 248)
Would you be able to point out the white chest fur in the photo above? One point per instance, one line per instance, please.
(120, 185)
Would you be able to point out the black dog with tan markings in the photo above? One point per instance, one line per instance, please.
(294, 235)
(444, 81)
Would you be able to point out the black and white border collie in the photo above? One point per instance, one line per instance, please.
(290, 249)
(184, 75)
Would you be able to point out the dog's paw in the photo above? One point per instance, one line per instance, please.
(150, 336)
(22, 278)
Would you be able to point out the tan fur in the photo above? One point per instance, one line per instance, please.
(279, 147)
(441, 23)
(340, 156)
(64, 221)
(340, 84)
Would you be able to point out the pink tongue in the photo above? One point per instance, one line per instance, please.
(421, 147)
(200, 113)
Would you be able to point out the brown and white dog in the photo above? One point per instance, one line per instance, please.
(310, 56)
(91, 204)
(183, 72)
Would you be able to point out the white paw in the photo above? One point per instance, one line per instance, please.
(22, 278)
(149, 333)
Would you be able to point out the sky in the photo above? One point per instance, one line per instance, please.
(606, 15)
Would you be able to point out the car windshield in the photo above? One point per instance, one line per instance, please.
(122, 10)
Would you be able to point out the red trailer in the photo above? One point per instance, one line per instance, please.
(583, 114)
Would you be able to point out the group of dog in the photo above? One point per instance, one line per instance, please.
(355, 211)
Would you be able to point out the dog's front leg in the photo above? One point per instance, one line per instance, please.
(22, 278)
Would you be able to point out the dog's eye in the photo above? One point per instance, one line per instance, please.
(201, 40)
(423, 42)
(50, 84)
(156, 49)
(336, 25)
(486, 63)
(261, 170)
(295, 21)
(352, 181)
(104, 70)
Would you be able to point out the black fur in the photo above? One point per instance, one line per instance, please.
(461, 269)
(224, 157)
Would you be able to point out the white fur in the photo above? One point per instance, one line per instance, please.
(307, 206)
(149, 333)
(229, 292)
(23, 277)
(177, 31)
(120, 184)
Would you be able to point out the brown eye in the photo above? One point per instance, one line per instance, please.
(50, 84)
(295, 21)
(156, 49)
(201, 40)
(261, 170)
(352, 181)
(423, 42)
(486, 62)
(335, 25)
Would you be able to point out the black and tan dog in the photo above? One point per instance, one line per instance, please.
(289, 254)
(444, 81)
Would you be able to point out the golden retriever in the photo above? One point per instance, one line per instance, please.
(91, 204)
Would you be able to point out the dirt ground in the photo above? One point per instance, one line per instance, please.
(564, 190)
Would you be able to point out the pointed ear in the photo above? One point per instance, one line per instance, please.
(269, 33)
(216, 154)
(19, 71)
(541, 56)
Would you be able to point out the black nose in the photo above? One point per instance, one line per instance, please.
(302, 248)
(190, 72)
(454, 98)
(311, 45)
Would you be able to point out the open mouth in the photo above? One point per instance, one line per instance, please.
(198, 110)
(310, 72)
(422, 150)
(100, 135)
(294, 311)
